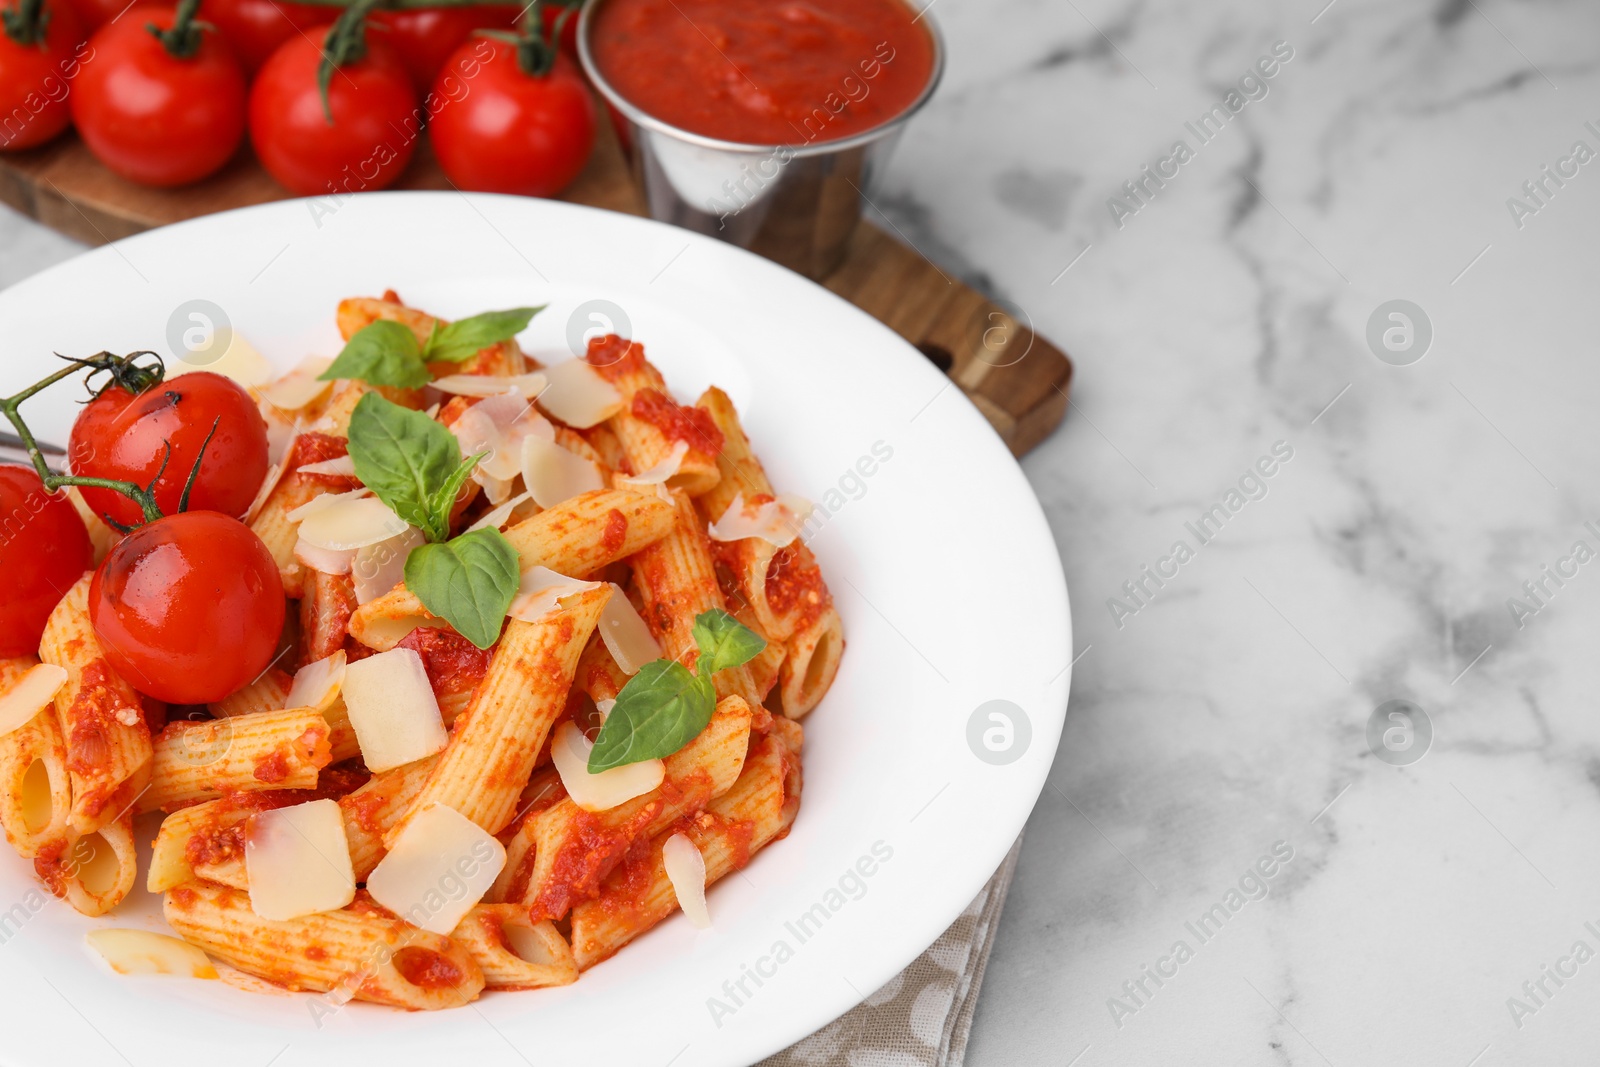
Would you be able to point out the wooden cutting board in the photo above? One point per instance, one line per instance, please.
(1018, 380)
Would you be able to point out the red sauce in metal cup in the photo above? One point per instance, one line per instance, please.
(789, 72)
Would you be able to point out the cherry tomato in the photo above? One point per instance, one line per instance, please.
(255, 28)
(154, 118)
(96, 13)
(188, 608)
(35, 79)
(510, 132)
(425, 38)
(120, 435)
(375, 119)
(43, 550)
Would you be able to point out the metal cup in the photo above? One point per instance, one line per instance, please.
(796, 203)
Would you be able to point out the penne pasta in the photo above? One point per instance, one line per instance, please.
(203, 833)
(782, 588)
(651, 422)
(383, 622)
(326, 604)
(494, 744)
(812, 663)
(361, 949)
(677, 582)
(513, 951)
(266, 693)
(102, 720)
(580, 536)
(35, 788)
(576, 443)
(502, 359)
(598, 674)
(741, 472)
(268, 750)
(210, 834)
(230, 871)
(373, 810)
(93, 872)
(570, 851)
(759, 808)
(765, 666)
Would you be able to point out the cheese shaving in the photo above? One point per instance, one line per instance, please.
(341, 466)
(625, 634)
(578, 396)
(569, 750)
(686, 870)
(316, 685)
(31, 693)
(777, 522)
(541, 591)
(497, 427)
(300, 387)
(528, 385)
(553, 474)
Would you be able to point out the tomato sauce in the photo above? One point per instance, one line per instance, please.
(453, 664)
(427, 969)
(587, 856)
(788, 72)
(311, 448)
(676, 422)
(615, 534)
(794, 583)
(98, 703)
(614, 357)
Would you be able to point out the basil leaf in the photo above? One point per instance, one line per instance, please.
(444, 500)
(465, 338)
(407, 460)
(724, 642)
(661, 709)
(383, 353)
(469, 582)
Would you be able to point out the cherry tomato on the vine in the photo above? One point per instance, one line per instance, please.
(124, 436)
(375, 119)
(155, 118)
(510, 132)
(188, 608)
(425, 37)
(255, 28)
(36, 77)
(44, 549)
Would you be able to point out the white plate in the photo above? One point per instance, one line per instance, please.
(940, 561)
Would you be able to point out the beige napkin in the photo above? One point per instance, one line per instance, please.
(922, 1017)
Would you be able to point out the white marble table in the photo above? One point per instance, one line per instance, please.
(1229, 712)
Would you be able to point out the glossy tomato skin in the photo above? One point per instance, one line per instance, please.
(44, 549)
(35, 80)
(188, 608)
(119, 435)
(255, 28)
(375, 119)
(504, 131)
(425, 38)
(96, 13)
(153, 118)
